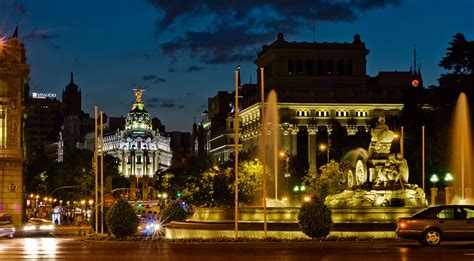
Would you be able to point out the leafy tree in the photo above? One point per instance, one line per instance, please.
(329, 181)
(173, 212)
(122, 219)
(314, 218)
(459, 61)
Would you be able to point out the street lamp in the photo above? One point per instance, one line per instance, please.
(448, 177)
(287, 175)
(434, 178)
(323, 147)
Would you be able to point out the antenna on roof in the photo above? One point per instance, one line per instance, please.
(314, 20)
(414, 58)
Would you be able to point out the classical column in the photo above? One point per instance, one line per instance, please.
(285, 130)
(312, 130)
(294, 140)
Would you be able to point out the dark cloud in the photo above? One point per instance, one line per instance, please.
(233, 30)
(147, 56)
(167, 104)
(171, 70)
(155, 102)
(16, 6)
(153, 78)
(195, 68)
(41, 34)
(180, 106)
(189, 93)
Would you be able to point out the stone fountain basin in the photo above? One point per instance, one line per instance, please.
(246, 215)
(219, 223)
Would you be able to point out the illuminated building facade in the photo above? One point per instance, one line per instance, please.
(317, 84)
(141, 151)
(14, 73)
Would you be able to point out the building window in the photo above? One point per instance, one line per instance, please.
(139, 145)
(342, 114)
(3, 128)
(322, 113)
(299, 66)
(349, 67)
(330, 65)
(290, 67)
(362, 114)
(320, 67)
(139, 159)
(302, 113)
(340, 67)
(309, 67)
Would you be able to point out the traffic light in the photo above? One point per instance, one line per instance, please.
(139, 205)
(178, 195)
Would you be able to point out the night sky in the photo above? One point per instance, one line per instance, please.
(183, 52)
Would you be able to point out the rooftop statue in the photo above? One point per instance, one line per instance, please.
(138, 95)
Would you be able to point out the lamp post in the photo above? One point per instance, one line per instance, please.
(434, 190)
(287, 175)
(448, 178)
(323, 147)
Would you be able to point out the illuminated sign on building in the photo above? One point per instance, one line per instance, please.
(41, 95)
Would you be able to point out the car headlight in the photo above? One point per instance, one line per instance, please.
(29, 228)
(46, 227)
(157, 227)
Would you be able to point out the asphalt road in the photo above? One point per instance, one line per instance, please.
(75, 249)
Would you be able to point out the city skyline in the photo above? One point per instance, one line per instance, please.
(183, 54)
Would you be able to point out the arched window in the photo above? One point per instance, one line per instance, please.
(299, 66)
(290, 67)
(320, 67)
(349, 67)
(309, 67)
(340, 67)
(330, 65)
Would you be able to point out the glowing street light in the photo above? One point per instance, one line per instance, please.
(434, 178)
(448, 177)
(323, 147)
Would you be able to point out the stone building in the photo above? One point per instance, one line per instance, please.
(140, 149)
(14, 75)
(316, 84)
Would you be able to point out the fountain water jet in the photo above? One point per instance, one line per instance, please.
(272, 121)
(461, 154)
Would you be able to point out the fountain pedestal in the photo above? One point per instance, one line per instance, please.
(377, 194)
(449, 195)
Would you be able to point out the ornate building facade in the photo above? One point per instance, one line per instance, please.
(317, 84)
(141, 151)
(14, 73)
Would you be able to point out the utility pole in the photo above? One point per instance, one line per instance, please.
(96, 175)
(264, 141)
(236, 144)
(101, 172)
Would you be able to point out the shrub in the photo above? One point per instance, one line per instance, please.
(122, 219)
(173, 212)
(315, 218)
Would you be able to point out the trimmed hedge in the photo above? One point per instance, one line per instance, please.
(173, 212)
(315, 218)
(122, 219)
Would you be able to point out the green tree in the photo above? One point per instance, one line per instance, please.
(459, 61)
(330, 180)
(122, 219)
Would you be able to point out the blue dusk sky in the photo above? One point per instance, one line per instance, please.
(182, 52)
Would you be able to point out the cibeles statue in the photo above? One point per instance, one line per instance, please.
(381, 139)
(378, 178)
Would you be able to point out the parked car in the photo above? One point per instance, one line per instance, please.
(39, 226)
(7, 229)
(441, 223)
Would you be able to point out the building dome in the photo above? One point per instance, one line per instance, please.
(138, 119)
